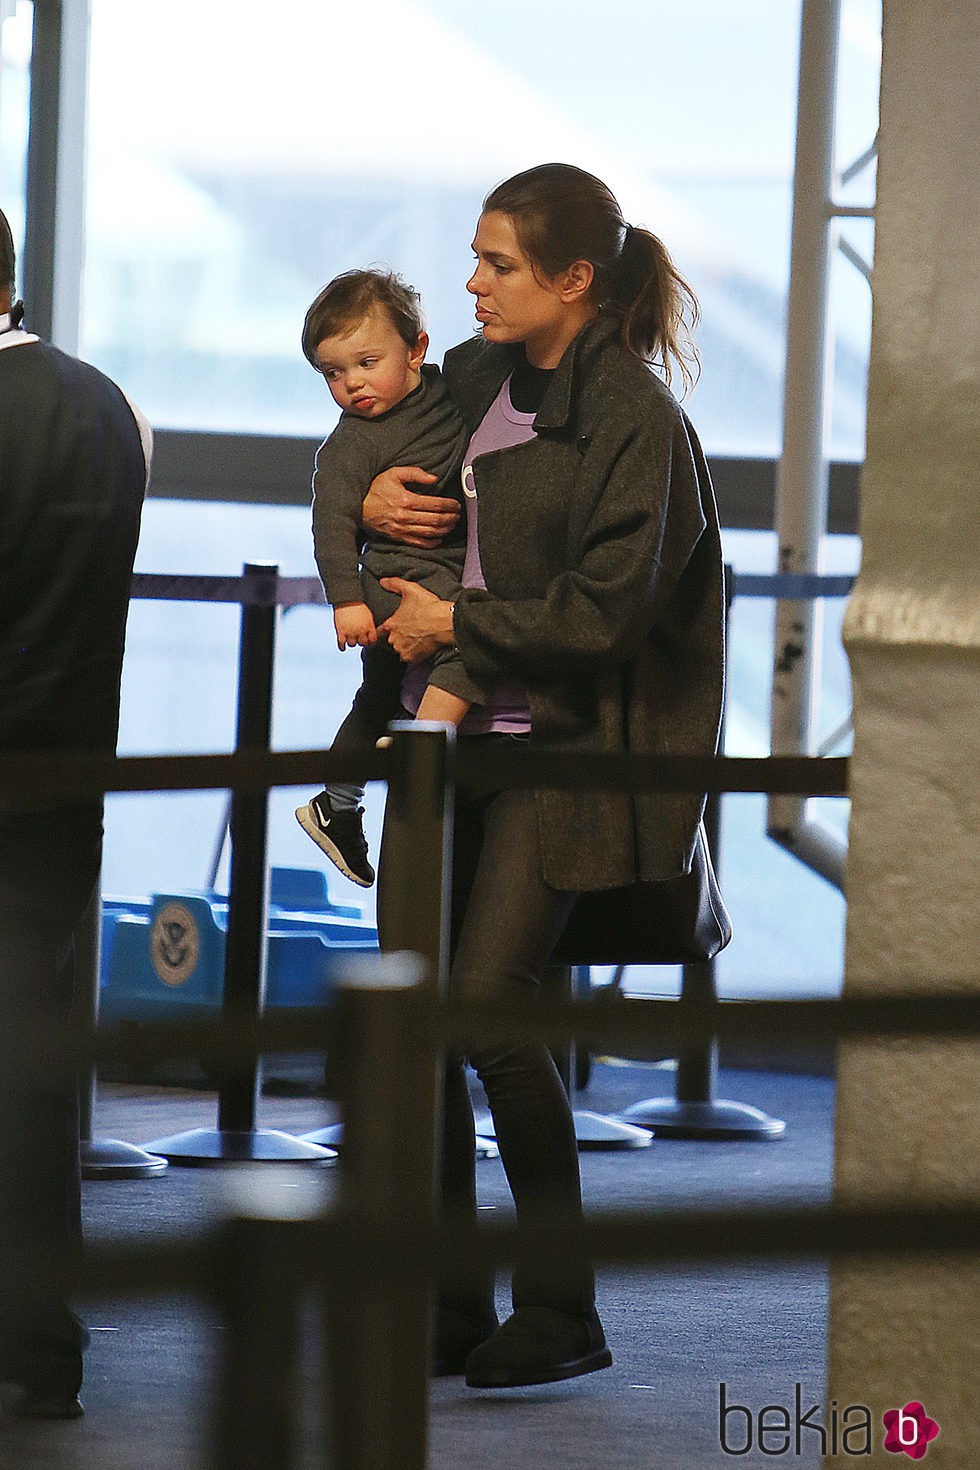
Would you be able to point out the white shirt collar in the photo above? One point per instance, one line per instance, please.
(15, 338)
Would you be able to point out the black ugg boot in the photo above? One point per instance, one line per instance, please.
(539, 1345)
(458, 1332)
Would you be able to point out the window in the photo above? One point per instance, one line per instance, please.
(16, 21)
(241, 154)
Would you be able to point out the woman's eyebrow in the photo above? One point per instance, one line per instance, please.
(495, 257)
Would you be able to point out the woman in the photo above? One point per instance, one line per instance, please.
(592, 603)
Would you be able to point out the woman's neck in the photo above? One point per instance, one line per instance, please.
(547, 351)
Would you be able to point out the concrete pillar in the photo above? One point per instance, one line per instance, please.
(908, 1116)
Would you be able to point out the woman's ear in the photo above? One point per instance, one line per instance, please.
(576, 280)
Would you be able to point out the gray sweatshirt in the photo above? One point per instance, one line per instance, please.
(423, 429)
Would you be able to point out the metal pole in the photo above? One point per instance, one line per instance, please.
(379, 1318)
(53, 244)
(236, 1138)
(802, 476)
(257, 1419)
(246, 948)
(695, 1111)
(379, 1311)
(416, 862)
(102, 1158)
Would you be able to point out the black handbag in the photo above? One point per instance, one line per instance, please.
(678, 921)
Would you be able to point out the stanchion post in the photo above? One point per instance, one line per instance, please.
(236, 1138)
(416, 863)
(378, 1300)
(258, 1408)
(246, 947)
(379, 1304)
(103, 1158)
(695, 1111)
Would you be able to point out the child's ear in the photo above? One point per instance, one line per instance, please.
(416, 355)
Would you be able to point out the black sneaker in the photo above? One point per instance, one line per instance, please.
(340, 835)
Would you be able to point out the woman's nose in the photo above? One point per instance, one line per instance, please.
(473, 284)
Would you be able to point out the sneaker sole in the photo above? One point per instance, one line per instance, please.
(310, 826)
(591, 1363)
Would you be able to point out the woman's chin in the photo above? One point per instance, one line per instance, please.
(493, 331)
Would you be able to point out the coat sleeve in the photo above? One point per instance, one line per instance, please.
(638, 532)
(344, 470)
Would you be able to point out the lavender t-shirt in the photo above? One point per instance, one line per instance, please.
(507, 708)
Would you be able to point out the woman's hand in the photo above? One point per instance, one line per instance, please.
(421, 625)
(392, 510)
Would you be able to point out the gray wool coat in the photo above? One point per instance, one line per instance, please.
(601, 552)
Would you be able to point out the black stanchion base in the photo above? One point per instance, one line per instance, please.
(670, 1118)
(592, 1131)
(333, 1137)
(109, 1158)
(207, 1148)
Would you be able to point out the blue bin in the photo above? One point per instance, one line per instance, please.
(165, 955)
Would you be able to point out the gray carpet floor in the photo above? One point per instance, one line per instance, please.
(676, 1336)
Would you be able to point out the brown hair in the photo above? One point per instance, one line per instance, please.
(7, 258)
(348, 298)
(562, 214)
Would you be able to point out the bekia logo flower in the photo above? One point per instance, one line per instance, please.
(910, 1430)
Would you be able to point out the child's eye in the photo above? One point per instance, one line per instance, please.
(368, 362)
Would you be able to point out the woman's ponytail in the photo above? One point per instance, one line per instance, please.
(563, 214)
(659, 311)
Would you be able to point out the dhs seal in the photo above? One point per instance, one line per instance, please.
(175, 944)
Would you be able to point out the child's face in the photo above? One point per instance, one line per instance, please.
(372, 368)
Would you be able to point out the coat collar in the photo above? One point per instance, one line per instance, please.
(577, 360)
(489, 364)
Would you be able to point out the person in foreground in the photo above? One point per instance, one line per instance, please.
(364, 333)
(592, 611)
(74, 457)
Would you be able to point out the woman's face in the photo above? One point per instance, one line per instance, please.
(515, 305)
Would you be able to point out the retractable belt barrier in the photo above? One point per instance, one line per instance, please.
(389, 1024)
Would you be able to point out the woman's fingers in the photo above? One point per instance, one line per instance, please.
(405, 588)
(417, 627)
(391, 509)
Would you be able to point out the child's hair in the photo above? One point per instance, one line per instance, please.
(7, 259)
(562, 214)
(348, 298)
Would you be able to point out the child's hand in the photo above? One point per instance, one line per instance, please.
(354, 625)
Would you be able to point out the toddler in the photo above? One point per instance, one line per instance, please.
(364, 333)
